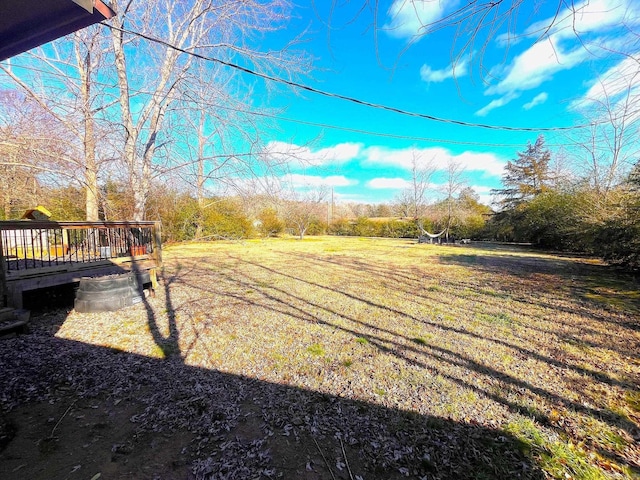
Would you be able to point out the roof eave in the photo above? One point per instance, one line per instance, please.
(34, 25)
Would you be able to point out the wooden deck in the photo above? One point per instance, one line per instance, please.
(39, 254)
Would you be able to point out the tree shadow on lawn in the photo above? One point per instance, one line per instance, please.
(288, 303)
(169, 344)
(143, 417)
(415, 289)
(404, 347)
(509, 286)
(587, 281)
(73, 410)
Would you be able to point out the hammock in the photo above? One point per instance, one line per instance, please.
(432, 235)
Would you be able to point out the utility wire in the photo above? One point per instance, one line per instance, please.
(300, 121)
(306, 122)
(340, 96)
(382, 134)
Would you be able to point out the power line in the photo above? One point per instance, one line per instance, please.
(306, 122)
(379, 134)
(340, 96)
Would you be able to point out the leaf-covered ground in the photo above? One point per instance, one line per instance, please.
(336, 358)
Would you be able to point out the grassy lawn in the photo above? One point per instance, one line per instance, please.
(533, 358)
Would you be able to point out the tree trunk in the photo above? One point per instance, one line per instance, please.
(129, 151)
(91, 168)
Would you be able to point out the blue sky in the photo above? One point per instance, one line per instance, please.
(520, 80)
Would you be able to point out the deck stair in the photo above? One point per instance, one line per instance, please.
(13, 321)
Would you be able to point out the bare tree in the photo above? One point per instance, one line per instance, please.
(421, 173)
(412, 201)
(219, 28)
(402, 204)
(164, 73)
(453, 186)
(215, 122)
(561, 173)
(611, 145)
(150, 61)
(606, 152)
(301, 210)
(71, 101)
(18, 184)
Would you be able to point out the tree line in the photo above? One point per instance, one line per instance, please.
(537, 204)
(589, 213)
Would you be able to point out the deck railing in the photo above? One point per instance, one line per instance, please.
(37, 254)
(31, 245)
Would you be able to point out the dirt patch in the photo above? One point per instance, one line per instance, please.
(81, 437)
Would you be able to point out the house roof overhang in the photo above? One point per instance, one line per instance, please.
(26, 24)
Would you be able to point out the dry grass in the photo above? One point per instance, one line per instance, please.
(541, 347)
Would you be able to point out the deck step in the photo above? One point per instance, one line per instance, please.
(12, 321)
(6, 313)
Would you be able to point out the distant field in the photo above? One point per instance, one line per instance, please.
(451, 361)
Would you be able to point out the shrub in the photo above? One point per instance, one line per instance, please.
(341, 227)
(270, 223)
(399, 229)
(317, 227)
(224, 218)
(365, 228)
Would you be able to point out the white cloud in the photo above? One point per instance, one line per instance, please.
(488, 163)
(537, 100)
(536, 65)
(587, 17)
(297, 180)
(615, 93)
(408, 17)
(612, 84)
(341, 153)
(571, 40)
(402, 158)
(388, 183)
(579, 19)
(483, 162)
(497, 103)
(457, 69)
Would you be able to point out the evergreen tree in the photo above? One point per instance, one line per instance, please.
(634, 177)
(526, 176)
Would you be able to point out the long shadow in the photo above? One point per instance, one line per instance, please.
(438, 353)
(241, 427)
(169, 344)
(575, 276)
(289, 302)
(212, 424)
(501, 381)
(414, 289)
(440, 326)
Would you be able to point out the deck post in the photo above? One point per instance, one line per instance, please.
(3, 277)
(157, 253)
(157, 242)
